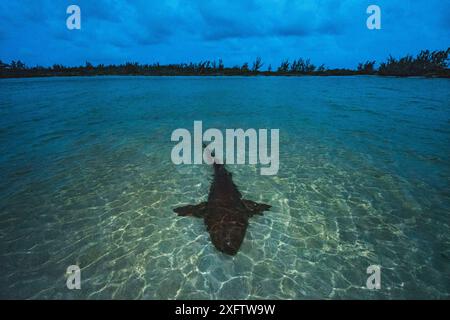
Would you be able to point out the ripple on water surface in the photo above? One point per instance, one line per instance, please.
(363, 180)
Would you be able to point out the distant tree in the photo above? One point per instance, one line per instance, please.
(284, 67)
(425, 63)
(309, 67)
(57, 67)
(88, 66)
(221, 66)
(302, 66)
(131, 68)
(17, 65)
(257, 64)
(295, 66)
(321, 68)
(203, 67)
(3, 65)
(367, 67)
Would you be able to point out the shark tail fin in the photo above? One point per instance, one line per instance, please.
(198, 211)
(255, 207)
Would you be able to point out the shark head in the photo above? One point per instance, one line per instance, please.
(228, 237)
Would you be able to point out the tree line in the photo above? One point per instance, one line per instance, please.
(426, 63)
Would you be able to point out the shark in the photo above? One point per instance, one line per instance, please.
(226, 214)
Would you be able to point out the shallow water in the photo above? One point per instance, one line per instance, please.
(86, 178)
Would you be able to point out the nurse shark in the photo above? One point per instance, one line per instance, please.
(226, 213)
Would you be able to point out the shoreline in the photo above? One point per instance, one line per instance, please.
(428, 64)
(273, 74)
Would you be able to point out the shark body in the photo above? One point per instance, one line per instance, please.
(226, 213)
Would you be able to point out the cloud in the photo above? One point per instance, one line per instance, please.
(235, 30)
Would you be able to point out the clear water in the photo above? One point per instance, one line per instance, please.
(86, 178)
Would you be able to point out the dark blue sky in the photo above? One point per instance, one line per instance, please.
(332, 32)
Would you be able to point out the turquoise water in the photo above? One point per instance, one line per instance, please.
(86, 178)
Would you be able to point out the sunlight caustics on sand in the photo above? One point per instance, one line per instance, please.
(86, 178)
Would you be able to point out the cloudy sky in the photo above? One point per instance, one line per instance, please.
(332, 32)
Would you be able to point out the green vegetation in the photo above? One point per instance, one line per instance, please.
(426, 63)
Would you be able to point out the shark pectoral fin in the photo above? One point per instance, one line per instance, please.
(254, 207)
(198, 211)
